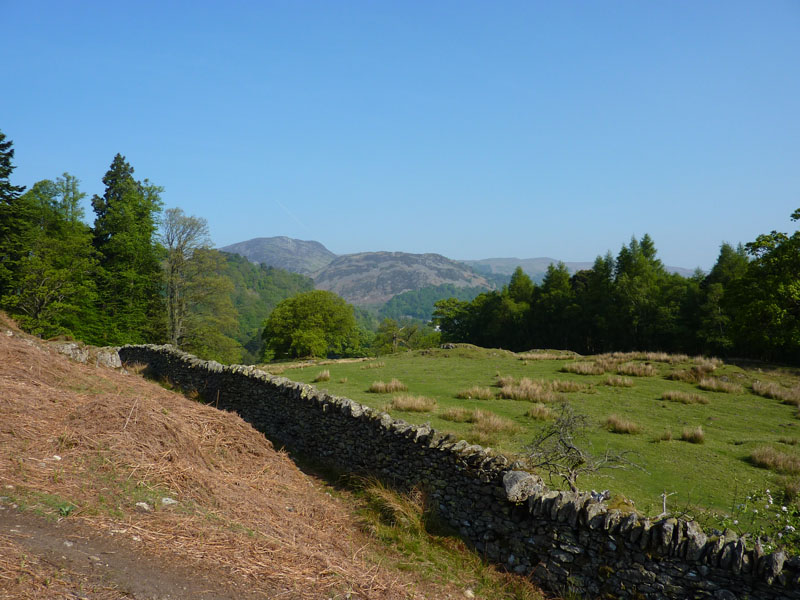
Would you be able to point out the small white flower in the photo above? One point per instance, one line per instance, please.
(755, 511)
(736, 521)
(784, 509)
(789, 528)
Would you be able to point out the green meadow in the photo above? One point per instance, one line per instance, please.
(696, 427)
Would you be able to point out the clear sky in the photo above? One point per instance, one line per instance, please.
(470, 129)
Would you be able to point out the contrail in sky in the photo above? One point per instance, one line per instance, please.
(288, 212)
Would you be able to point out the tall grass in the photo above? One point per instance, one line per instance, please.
(616, 381)
(683, 397)
(583, 368)
(540, 412)
(380, 387)
(476, 392)
(767, 457)
(373, 365)
(713, 384)
(636, 369)
(412, 403)
(693, 435)
(777, 392)
(322, 376)
(617, 424)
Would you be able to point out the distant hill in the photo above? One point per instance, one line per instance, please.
(537, 267)
(372, 278)
(297, 256)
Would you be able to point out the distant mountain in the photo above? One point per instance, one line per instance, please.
(297, 256)
(372, 278)
(537, 267)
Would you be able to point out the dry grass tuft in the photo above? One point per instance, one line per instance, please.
(647, 356)
(476, 392)
(767, 457)
(457, 415)
(713, 384)
(635, 369)
(683, 397)
(583, 368)
(693, 435)
(528, 390)
(666, 436)
(547, 355)
(617, 424)
(413, 403)
(322, 376)
(540, 412)
(394, 386)
(489, 423)
(617, 381)
(777, 392)
(373, 365)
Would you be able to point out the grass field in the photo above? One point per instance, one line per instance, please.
(693, 423)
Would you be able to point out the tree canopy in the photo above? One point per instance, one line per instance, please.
(314, 324)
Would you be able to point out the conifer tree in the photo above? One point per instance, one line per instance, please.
(14, 219)
(129, 281)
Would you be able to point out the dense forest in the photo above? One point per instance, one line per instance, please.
(747, 306)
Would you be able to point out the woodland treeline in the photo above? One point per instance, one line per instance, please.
(139, 274)
(748, 305)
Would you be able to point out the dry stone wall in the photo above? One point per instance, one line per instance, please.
(565, 541)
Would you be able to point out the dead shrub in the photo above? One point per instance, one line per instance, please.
(617, 381)
(413, 403)
(683, 397)
(380, 387)
(322, 376)
(714, 384)
(767, 457)
(693, 435)
(476, 392)
(617, 424)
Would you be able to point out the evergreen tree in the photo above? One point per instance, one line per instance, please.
(14, 219)
(129, 282)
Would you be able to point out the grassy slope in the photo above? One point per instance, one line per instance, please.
(713, 475)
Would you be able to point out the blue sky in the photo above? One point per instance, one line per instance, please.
(470, 129)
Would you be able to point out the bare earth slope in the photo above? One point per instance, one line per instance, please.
(130, 490)
(375, 277)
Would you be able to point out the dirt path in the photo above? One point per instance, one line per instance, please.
(98, 566)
